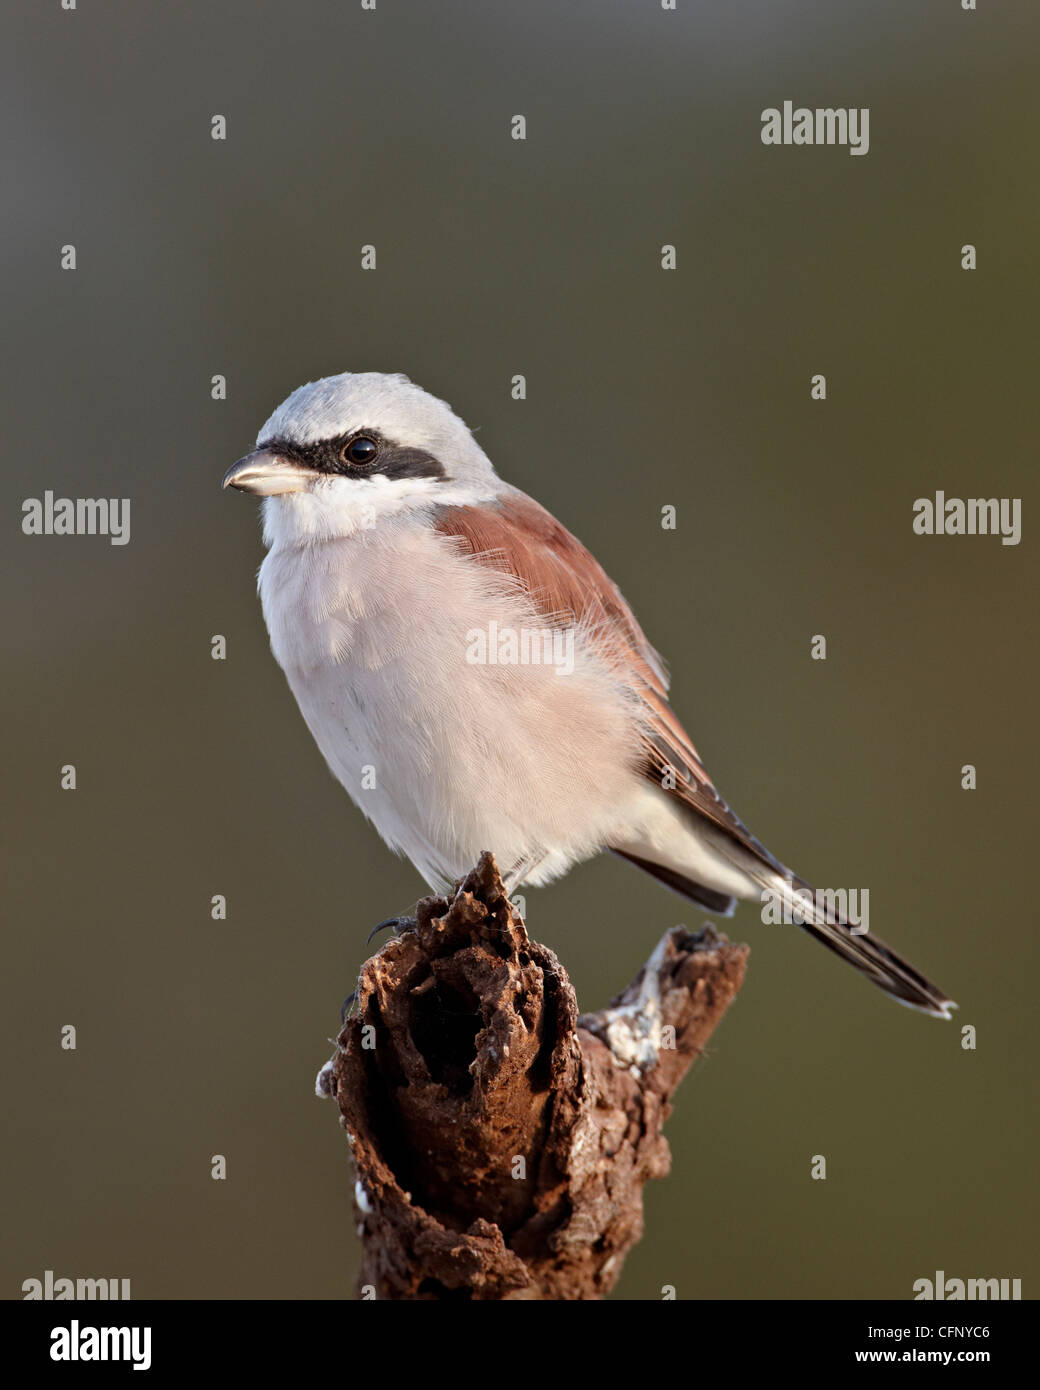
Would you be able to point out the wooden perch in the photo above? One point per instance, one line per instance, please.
(501, 1142)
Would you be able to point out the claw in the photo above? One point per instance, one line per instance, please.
(394, 922)
(405, 923)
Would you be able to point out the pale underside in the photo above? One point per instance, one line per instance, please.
(447, 757)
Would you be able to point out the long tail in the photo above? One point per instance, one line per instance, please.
(814, 913)
(871, 957)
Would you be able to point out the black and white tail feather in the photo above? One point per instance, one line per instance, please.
(871, 957)
(888, 970)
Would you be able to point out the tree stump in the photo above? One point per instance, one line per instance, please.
(500, 1142)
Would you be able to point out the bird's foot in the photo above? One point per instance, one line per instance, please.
(399, 924)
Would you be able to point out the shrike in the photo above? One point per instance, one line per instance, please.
(416, 603)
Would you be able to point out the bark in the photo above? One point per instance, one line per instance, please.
(500, 1142)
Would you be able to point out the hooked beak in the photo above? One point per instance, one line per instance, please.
(268, 474)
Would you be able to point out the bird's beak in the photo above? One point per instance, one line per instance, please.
(267, 474)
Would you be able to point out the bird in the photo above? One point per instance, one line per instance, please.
(474, 679)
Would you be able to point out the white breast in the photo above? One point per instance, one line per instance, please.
(446, 757)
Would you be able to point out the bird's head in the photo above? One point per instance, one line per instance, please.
(347, 452)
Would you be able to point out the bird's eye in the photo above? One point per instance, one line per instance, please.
(359, 451)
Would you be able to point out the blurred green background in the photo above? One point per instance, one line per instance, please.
(645, 388)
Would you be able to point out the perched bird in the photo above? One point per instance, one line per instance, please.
(475, 680)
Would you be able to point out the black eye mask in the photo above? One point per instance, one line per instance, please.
(334, 456)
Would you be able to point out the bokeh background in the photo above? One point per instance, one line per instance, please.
(645, 388)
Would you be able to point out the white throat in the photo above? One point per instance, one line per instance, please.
(334, 508)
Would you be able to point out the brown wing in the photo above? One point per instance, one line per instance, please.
(517, 536)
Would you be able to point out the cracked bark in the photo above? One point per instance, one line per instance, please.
(500, 1142)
